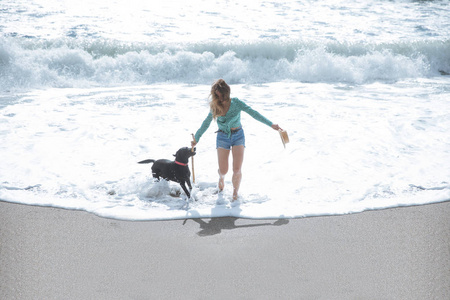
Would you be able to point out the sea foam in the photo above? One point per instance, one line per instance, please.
(352, 148)
(25, 63)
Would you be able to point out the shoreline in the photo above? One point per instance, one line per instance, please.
(393, 253)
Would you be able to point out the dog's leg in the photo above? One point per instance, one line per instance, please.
(156, 173)
(183, 186)
(190, 186)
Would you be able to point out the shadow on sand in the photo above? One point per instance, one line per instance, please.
(216, 225)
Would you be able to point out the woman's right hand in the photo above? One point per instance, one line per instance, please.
(276, 127)
(193, 144)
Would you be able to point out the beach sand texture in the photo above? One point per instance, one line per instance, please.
(401, 253)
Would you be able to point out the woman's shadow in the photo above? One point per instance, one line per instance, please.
(216, 225)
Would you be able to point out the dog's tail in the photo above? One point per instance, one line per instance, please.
(147, 161)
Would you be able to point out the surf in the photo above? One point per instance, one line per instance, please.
(27, 63)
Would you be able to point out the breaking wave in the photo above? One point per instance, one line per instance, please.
(32, 63)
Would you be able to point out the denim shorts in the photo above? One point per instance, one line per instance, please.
(225, 142)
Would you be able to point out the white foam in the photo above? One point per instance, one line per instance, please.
(88, 90)
(351, 149)
(67, 64)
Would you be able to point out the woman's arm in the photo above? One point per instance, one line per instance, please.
(256, 115)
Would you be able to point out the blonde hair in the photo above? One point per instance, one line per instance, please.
(217, 107)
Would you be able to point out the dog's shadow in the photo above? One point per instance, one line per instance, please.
(217, 225)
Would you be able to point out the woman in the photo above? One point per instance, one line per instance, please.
(227, 112)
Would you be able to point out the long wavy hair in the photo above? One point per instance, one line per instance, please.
(217, 106)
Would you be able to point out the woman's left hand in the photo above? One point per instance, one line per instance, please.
(276, 127)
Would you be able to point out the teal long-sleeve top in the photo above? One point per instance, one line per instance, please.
(231, 119)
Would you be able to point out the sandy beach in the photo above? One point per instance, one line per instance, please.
(401, 253)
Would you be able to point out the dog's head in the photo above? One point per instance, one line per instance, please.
(183, 154)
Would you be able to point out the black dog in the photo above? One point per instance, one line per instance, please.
(177, 171)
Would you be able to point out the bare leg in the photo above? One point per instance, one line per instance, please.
(238, 159)
(222, 155)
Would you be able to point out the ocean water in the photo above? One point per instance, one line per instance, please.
(89, 88)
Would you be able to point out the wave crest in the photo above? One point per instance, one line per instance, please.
(29, 63)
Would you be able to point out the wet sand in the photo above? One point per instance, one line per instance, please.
(401, 253)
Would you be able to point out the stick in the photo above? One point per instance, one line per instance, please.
(192, 150)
